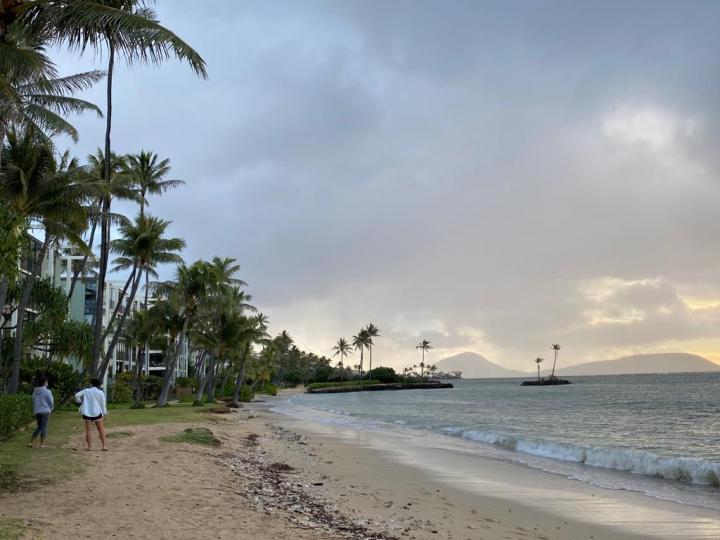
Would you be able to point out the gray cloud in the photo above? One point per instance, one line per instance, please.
(464, 169)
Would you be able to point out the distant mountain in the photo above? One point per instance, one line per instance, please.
(475, 366)
(644, 363)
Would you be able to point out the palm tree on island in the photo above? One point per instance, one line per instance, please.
(342, 348)
(424, 346)
(373, 331)
(555, 347)
(361, 341)
(539, 361)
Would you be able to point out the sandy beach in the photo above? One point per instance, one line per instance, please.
(276, 477)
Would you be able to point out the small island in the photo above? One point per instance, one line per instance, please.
(552, 380)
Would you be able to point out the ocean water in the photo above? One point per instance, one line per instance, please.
(658, 434)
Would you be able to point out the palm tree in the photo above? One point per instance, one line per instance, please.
(342, 348)
(538, 361)
(142, 247)
(50, 193)
(191, 286)
(139, 330)
(128, 28)
(424, 346)
(147, 173)
(555, 347)
(32, 94)
(373, 332)
(361, 341)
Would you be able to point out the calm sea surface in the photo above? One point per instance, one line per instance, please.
(654, 433)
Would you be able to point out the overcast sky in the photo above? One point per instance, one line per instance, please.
(491, 176)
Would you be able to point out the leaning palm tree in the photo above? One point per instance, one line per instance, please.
(424, 346)
(539, 361)
(126, 28)
(373, 332)
(361, 341)
(342, 348)
(142, 248)
(555, 347)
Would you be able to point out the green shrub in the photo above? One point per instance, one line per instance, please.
(267, 388)
(292, 379)
(121, 389)
(63, 379)
(186, 382)
(364, 382)
(384, 375)
(15, 411)
(246, 394)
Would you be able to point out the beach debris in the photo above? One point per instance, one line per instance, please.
(270, 488)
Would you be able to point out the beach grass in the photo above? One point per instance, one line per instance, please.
(12, 529)
(23, 468)
(197, 435)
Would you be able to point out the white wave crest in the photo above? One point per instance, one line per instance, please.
(684, 469)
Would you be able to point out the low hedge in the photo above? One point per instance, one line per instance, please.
(345, 383)
(15, 411)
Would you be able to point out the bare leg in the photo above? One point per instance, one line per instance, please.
(88, 434)
(100, 425)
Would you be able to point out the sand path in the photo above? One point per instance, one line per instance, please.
(145, 488)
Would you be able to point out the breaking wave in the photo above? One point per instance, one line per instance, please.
(684, 469)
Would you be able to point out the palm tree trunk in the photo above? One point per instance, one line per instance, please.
(77, 272)
(370, 366)
(202, 383)
(538, 372)
(210, 384)
(130, 280)
(225, 379)
(14, 381)
(121, 324)
(240, 377)
(553, 369)
(105, 226)
(137, 390)
(4, 285)
(361, 361)
(170, 364)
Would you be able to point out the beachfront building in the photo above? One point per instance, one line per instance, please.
(82, 307)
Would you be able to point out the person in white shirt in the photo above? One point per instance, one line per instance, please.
(94, 410)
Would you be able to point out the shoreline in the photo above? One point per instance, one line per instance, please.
(612, 513)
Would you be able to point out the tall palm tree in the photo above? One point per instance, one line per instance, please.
(147, 173)
(342, 348)
(424, 346)
(128, 29)
(361, 341)
(373, 332)
(141, 247)
(539, 361)
(555, 347)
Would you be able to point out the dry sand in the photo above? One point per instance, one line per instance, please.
(268, 480)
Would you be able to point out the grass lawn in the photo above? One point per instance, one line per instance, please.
(24, 468)
(198, 435)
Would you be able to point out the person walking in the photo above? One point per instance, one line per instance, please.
(43, 405)
(93, 408)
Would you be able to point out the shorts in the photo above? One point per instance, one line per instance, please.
(93, 418)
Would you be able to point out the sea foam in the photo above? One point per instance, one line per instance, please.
(683, 469)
